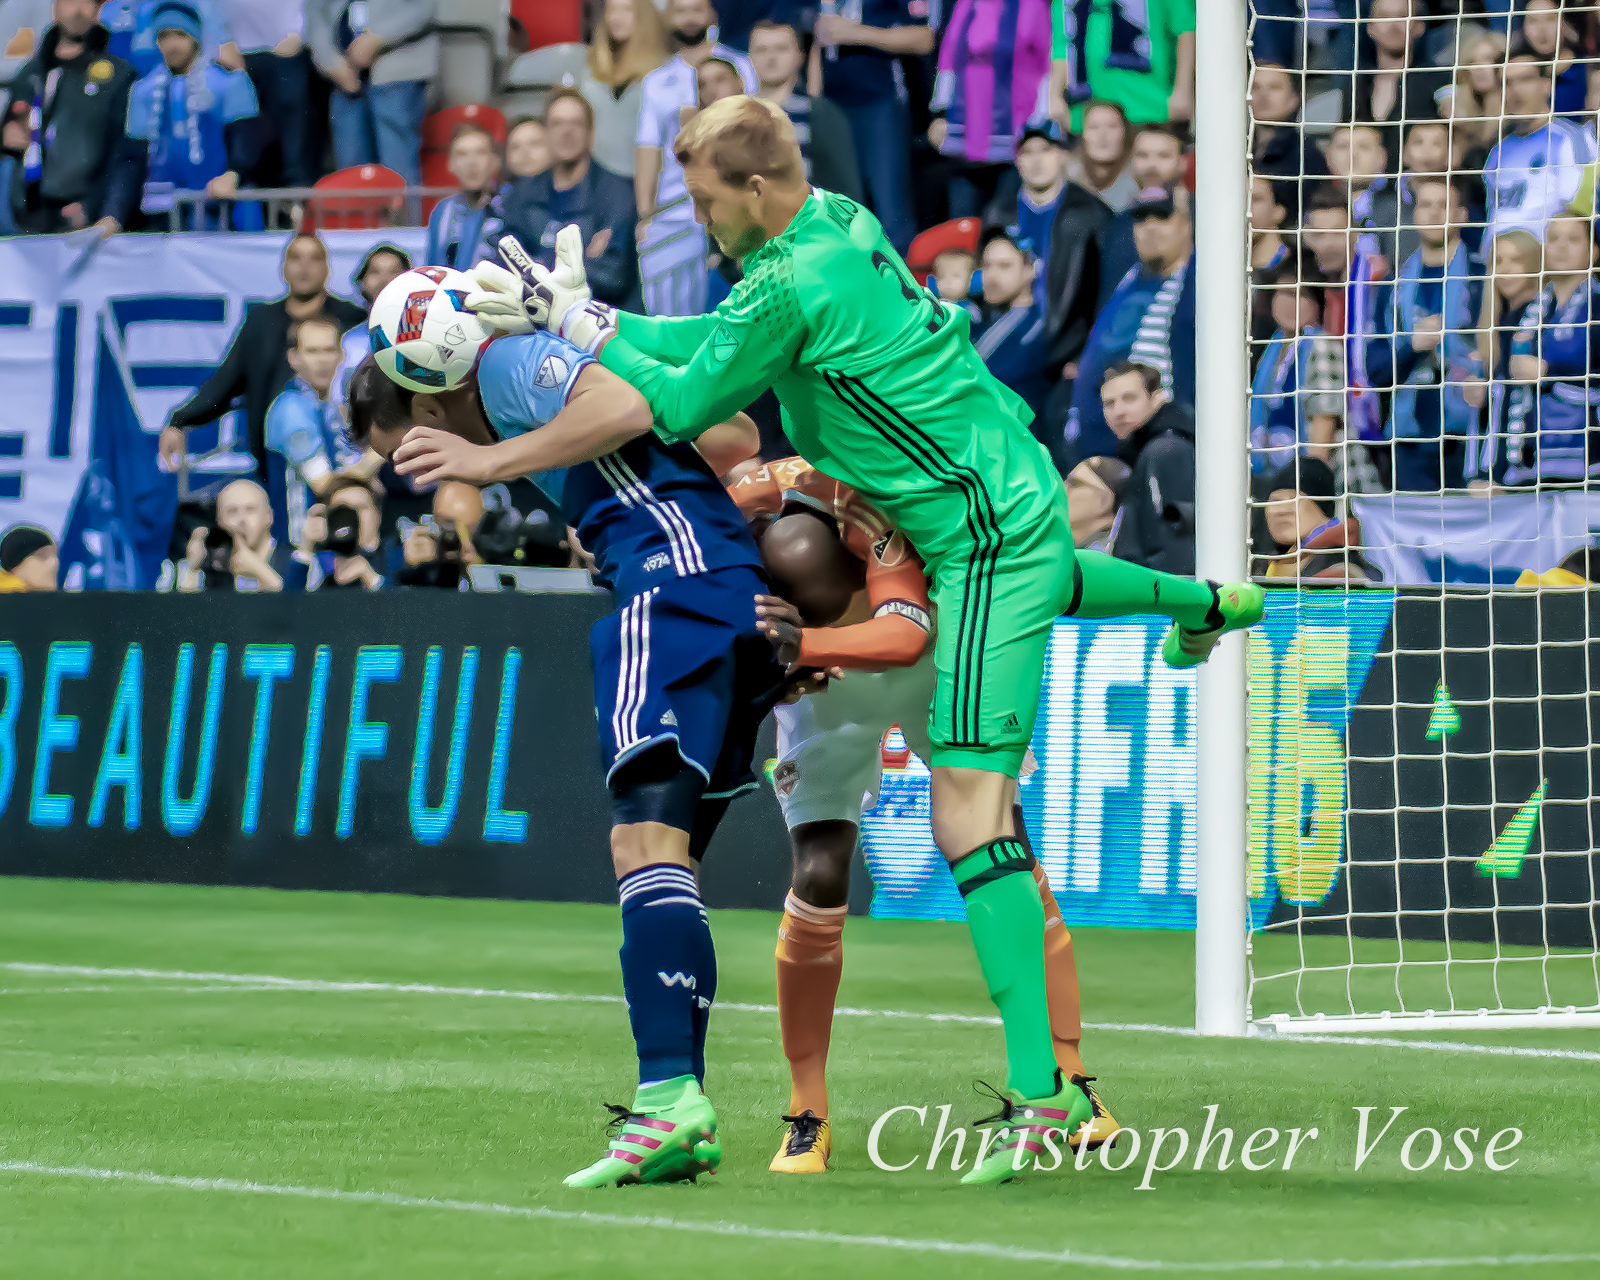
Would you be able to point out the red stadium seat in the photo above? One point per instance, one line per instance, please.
(438, 127)
(550, 21)
(337, 210)
(958, 233)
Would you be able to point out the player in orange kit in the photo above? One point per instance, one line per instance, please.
(854, 597)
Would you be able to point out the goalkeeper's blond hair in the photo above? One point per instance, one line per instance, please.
(741, 138)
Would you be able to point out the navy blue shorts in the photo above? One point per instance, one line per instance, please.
(684, 663)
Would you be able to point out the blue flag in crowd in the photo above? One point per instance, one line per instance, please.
(121, 517)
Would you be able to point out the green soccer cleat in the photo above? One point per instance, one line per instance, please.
(668, 1135)
(1237, 605)
(1027, 1120)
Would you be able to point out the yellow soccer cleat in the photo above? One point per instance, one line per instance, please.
(806, 1147)
(1101, 1127)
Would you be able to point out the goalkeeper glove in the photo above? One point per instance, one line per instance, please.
(530, 296)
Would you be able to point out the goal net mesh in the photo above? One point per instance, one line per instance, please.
(1425, 511)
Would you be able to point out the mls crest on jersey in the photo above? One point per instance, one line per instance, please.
(552, 373)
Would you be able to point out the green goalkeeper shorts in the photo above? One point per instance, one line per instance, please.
(996, 608)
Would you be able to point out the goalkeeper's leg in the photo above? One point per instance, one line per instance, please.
(1106, 587)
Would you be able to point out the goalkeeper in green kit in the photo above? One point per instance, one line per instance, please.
(882, 389)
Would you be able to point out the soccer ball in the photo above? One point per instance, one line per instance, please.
(423, 336)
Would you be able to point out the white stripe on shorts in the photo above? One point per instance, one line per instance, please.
(633, 669)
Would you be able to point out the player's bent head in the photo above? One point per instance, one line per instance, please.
(381, 410)
(809, 566)
(737, 155)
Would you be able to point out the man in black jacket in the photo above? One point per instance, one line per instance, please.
(69, 104)
(1156, 525)
(256, 365)
(574, 189)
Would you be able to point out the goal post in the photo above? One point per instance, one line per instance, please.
(1398, 773)
(1222, 380)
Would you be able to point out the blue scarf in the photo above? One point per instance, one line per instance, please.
(1276, 413)
(1363, 409)
(198, 99)
(1130, 41)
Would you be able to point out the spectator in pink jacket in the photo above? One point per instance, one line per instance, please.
(994, 69)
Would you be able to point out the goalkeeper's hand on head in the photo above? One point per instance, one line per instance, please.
(530, 296)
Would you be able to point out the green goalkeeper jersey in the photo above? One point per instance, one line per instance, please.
(880, 385)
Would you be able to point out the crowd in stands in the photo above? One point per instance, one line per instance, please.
(1421, 212)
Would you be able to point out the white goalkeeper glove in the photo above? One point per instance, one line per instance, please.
(530, 296)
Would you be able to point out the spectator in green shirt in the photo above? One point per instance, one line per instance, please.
(1141, 56)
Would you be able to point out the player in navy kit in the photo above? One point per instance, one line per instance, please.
(682, 676)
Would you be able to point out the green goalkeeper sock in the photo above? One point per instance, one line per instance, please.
(1007, 922)
(1111, 588)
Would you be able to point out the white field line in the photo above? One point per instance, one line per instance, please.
(270, 982)
(747, 1231)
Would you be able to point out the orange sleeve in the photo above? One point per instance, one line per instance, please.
(892, 640)
(758, 493)
(897, 633)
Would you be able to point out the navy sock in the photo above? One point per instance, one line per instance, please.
(669, 970)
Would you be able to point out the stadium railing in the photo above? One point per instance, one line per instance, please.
(280, 208)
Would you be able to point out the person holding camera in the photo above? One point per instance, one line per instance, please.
(437, 548)
(337, 537)
(234, 552)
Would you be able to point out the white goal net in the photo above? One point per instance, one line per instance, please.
(1425, 508)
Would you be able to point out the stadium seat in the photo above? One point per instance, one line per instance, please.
(550, 22)
(436, 169)
(337, 210)
(472, 46)
(958, 233)
(438, 127)
(534, 74)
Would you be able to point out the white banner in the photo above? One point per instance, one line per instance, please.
(172, 302)
(1417, 538)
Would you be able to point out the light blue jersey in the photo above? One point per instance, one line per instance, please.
(308, 433)
(649, 512)
(181, 120)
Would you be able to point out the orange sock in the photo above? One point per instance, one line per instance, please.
(810, 959)
(1060, 982)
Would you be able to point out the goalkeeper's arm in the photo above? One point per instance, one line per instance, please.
(670, 339)
(732, 367)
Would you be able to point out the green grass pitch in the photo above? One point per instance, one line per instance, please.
(311, 1130)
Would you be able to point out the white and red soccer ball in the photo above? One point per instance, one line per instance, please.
(423, 336)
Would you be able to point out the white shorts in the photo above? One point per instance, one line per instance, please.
(829, 761)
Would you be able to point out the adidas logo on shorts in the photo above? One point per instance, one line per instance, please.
(671, 719)
(1011, 722)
